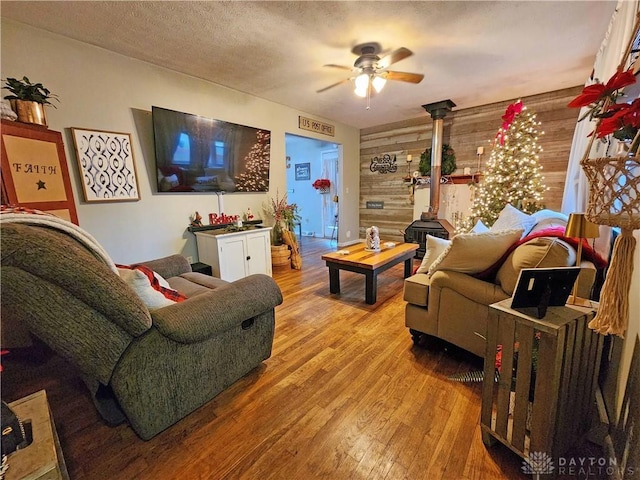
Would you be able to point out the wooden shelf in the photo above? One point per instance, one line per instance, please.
(450, 180)
(217, 226)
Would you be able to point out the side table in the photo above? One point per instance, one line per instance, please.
(544, 398)
(42, 459)
(202, 268)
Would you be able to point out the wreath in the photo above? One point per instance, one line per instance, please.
(447, 166)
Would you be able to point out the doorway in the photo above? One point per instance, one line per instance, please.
(307, 160)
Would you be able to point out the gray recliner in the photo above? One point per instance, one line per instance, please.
(155, 367)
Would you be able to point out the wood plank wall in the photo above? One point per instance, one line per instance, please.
(464, 130)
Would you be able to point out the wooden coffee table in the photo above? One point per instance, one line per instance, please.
(370, 264)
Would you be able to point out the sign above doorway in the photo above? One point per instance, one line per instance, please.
(315, 126)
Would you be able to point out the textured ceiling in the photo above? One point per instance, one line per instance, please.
(471, 52)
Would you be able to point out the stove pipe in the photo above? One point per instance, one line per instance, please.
(438, 111)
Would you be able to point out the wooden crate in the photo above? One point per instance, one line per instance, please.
(43, 459)
(546, 409)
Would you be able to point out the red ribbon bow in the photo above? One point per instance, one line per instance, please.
(507, 119)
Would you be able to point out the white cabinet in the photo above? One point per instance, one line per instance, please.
(236, 255)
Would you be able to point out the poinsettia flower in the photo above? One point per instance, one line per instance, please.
(598, 91)
(619, 116)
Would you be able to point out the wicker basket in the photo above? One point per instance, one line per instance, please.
(614, 191)
(280, 256)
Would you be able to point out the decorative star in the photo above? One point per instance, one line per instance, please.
(41, 185)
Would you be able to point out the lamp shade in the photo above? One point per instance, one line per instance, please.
(378, 83)
(580, 227)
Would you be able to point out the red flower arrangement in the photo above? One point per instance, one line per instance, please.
(322, 184)
(620, 119)
(624, 119)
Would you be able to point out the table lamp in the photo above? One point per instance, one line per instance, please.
(579, 227)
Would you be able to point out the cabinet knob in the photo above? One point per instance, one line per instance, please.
(248, 257)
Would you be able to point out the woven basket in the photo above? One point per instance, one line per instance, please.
(614, 191)
(280, 255)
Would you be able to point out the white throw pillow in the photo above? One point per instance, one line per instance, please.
(549, 214)
(548, 219)
(510, 217)
(434, 248)
(153, 294)
(475, 252)
(479, 227)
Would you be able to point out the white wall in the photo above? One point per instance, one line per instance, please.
(455, 199)
(305, 150)
(303, 194)
(106, 91)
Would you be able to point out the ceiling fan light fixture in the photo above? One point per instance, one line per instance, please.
(378, 83)
(371, 72)
(361, 92)
(362, 82)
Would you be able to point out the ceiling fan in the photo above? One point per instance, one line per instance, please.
(370, 71)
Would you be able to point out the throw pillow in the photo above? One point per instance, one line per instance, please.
(148, 287)
(479, 227)
(541, 252)
(511, 218)
(434, 248)
(548, 219)
(167, 183)
(475, 252)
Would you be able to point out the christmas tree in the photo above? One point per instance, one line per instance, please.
(513, 172)
(255, 177)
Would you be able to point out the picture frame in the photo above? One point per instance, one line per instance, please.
(543, 287)
(106, 165)
(35, 174)
(303, 171)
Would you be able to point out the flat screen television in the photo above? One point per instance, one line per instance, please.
(198, 154)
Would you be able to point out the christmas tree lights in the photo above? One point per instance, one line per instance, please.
(513, 172)
(255, 177)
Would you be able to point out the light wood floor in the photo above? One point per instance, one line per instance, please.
(345, 395)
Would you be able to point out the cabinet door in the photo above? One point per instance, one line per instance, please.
(259, 253)
(34, 170)
(232, 257)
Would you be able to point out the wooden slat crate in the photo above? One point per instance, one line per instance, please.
(544, 405)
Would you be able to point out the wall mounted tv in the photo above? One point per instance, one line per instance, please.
(197, 154)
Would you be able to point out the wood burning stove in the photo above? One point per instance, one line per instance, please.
(418, 230)
(429, 223)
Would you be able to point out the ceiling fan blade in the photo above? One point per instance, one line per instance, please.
(404, 76)
(394, 57)
(333, 85)
(341, 67)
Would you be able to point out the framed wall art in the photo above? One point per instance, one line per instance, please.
(106, 165)
(34, 170)
(303, 171)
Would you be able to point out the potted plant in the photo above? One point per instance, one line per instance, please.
(322, 185)
(28, 99)
(284, 215)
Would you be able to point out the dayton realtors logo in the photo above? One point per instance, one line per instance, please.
(539, 463)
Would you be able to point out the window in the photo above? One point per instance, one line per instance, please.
(216, 158)
(183, 151)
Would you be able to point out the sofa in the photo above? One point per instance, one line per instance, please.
(149, 364)
(450, 300)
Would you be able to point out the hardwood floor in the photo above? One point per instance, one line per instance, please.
(345, 395)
